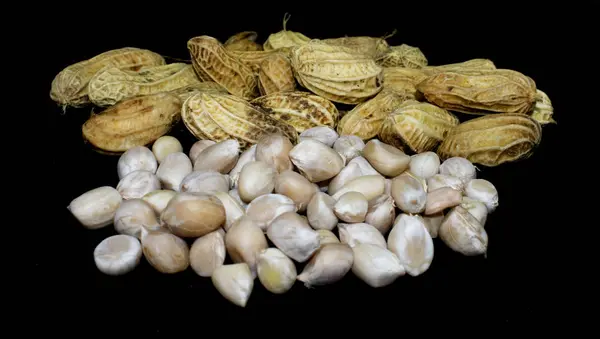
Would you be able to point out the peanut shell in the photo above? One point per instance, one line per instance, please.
(243, 41)
(276, 75)
(402, 56)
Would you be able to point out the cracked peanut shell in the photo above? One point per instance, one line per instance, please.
(302, 110)
(276, 75)
(114, 84)
(543, 109)
(136, 121)
(212, 62)
(219, 117)
(492, 140)
(365, 120)
(481, 91)
(70, 86)
(417, 126)
(336, 73)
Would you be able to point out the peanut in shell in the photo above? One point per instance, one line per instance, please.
(492, 140)
(403, 56)
(276, 75)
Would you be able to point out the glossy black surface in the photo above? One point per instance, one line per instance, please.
(502, 289)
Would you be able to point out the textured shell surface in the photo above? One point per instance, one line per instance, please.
(492, 140)
(70, 86)
(403, 81)
(371, 46)
(303, 110)
(253, 59)
(212, 62)
(114, 84)
(285, 39)
(337, 73)
(132, 122)
(417, 126)
(206, 86)
(365, 120)
(243, 41)
(403, 56)
(481, 91)
(473, 64)
(276, 75)
(219, 117)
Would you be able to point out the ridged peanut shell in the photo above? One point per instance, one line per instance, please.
(480, 92)
(543, 109)
(70, 86)
(136, 121)
(337, 73)
(212, 62)
(219, 117)
(469, 65)
(276, 75)
(206, 86)
(114, 84)
(365, 120)
(370, 46)
(492, 140)
(303, 110)
(253, 59)
(285, 38)
(402, 56)
(403, 81)
(417, 126)
(243, 41)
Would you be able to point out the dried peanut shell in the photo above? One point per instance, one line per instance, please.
(403, 56)
(243, 41)
(417, 126)
(302, 110)
(492, 140)
(212, 62)
(403, 81)
(207, 86)
(114, 84)
(276, 75)
(285, 38)
(132, 122)
(480, 92)
(219, 117)
(370, 46)
(365, 120)
(336, 73)
(70, 86)
(473, 65)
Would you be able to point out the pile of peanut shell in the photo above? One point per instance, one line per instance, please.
(334, 203)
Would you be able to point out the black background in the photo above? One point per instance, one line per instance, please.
(506, 288)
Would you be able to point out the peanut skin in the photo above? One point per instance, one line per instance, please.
(442, 198)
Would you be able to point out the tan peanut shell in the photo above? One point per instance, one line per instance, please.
(276, 75)
(469, 65)
(480, 92)
(403, 81)
(370, 46)
(212, 62)
(365, 120)
(336, 73)
(403, 56)
(243, 41)
(302, 110)
(543, 109)
(285, 38)
(219, 117)
(70, 86)
(113, 84)
(492, 140)
(253, 59)
(417, 126)
(207, 86)
(132, 122)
